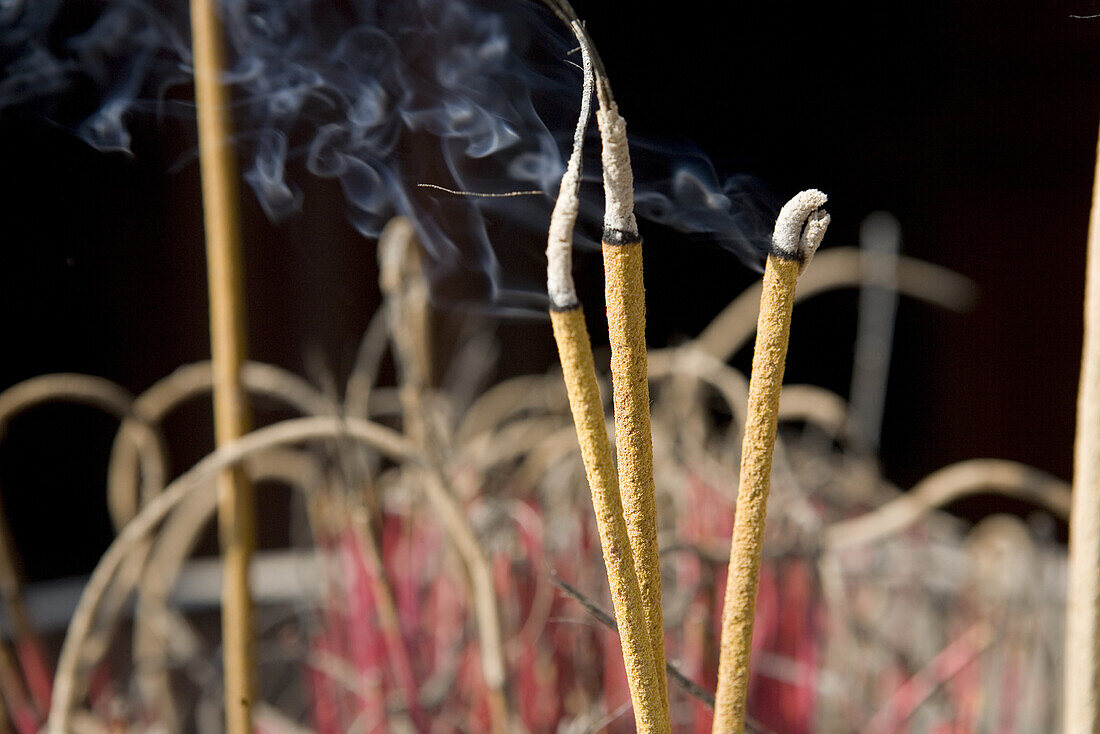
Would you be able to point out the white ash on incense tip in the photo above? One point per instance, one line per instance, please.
(812, 235)
(559, 252)
(800, 226)
(559, 248)
(618, 178)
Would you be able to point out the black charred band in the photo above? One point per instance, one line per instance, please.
(620, 236)
(795, 257)
(563, 308)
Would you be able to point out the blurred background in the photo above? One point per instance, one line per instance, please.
(973, 123)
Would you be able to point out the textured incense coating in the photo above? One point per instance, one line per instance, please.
(799, 229)
(236, 503)
(645, 679)
(768, 359)
(625, 295)
(575, 353)
(1082, 654)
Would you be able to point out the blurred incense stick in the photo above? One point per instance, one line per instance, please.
(27, 645)
(1082, 652)
(405, 288)
(236, 507)
(879, 234)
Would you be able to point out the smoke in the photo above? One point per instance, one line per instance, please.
(473, 95)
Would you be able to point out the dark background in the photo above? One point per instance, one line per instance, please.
(973, 123)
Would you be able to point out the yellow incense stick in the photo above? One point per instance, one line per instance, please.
(625, 296)
(798, 231)
(575, 352)
(236, 503)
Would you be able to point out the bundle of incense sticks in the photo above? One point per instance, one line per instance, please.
(636, 576)
(626, 521)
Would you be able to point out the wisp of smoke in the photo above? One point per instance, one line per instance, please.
(471, 95)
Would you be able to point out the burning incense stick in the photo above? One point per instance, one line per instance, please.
(1082, 663)
(575, 352)
(625, 296)
(236, 510)
(798, 232)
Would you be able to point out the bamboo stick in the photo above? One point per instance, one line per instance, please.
(236, 503)
(798, 231)
(1082, 656)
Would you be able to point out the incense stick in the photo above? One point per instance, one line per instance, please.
(1082, 661)
(578, 369)
(625, 296)
(798, 232)
(236, 511)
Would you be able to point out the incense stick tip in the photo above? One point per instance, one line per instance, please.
(618, 177)
(800, 226)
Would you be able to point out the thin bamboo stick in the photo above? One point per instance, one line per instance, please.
(798, 231)
(236, 505)
(1082, 657)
